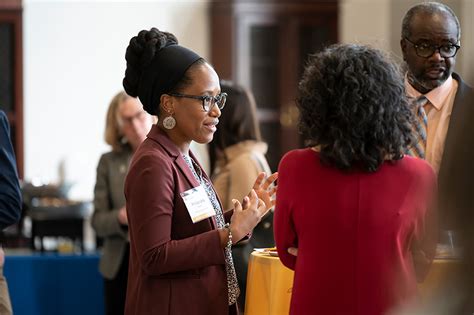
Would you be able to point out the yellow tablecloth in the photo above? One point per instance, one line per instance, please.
(439, 272)
(269, 283)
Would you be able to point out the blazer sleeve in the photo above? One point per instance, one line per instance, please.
(10, 194)
(150, 193)
(284, 228)
(104, 220)
(426, 229)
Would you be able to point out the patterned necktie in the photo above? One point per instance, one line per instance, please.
(232, 284)
(418, 148)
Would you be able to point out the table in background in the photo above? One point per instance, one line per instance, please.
(270, 283)
(66, 219)
(53, 284)
(437, 276)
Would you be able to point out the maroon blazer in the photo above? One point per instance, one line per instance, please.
(176, 266)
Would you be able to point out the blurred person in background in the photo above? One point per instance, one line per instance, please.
(237, 156)
(127, 125)
(359, 212)
(10, 201)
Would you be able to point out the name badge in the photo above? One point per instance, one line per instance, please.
(198, 204)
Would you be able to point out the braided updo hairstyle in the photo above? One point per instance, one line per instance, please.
(156, 64)
(140, 53)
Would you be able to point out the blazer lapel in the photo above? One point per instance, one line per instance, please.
(213, 218)
(457, 123)
(162, 139)
(187, 173)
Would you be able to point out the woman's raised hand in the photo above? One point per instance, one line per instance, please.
(246, 217)
(265, 188)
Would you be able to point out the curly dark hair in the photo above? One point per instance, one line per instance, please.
(139, 55)
(353, 106)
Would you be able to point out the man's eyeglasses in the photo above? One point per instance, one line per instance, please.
(208, 101)
(425, 50)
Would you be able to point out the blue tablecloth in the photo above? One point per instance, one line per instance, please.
(53, 284)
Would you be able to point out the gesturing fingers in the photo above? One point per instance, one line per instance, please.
(259, 181)
(262, 208)
(245, 202)
(273, 191)
(237, 205)
(253, 200)
(270, 180)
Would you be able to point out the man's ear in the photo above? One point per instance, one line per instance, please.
(403, 46)
(167, 103)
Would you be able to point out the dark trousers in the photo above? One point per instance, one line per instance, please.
(115, 290)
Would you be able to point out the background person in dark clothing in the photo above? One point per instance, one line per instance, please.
(10, 201)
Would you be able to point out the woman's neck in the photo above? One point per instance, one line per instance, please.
(183, 145)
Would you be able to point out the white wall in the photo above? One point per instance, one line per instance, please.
(74, 63)
(467, 41)
(378, 22)
(365, 22)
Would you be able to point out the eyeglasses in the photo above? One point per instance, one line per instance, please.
(208, 101)
(129, 120)
(425, 50)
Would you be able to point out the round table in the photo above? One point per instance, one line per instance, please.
(269, 283)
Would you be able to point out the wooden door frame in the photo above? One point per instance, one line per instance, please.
(11, 12)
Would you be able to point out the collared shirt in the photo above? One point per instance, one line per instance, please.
(438, 109)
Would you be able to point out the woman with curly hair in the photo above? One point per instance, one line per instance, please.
(354, 217)
(180, 234)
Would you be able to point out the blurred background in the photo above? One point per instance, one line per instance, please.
(61, 61)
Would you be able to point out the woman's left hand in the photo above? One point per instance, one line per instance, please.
(265, 188)
(293, 251)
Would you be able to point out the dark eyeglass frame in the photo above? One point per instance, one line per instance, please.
(218, 100)
(434, 49)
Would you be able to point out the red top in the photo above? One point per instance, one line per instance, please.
(355, 233)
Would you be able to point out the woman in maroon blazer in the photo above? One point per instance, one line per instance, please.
(356, 208)
(180, 237)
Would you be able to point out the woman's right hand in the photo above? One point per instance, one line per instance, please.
(293, 251)
(246, 216)
(122, 216)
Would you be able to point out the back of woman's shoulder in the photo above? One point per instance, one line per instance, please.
(298, 157)
(417, 166)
